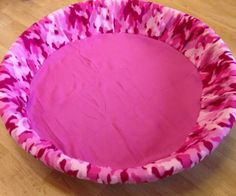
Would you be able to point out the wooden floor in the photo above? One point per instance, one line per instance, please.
(20, 174)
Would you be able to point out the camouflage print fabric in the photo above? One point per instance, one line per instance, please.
(191, 37)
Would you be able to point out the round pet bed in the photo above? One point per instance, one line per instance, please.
(118, 91)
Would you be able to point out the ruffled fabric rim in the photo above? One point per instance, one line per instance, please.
(194, 39)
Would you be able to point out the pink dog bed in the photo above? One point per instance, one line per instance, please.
(118, 91)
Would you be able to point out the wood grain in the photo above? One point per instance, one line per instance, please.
(20, 174)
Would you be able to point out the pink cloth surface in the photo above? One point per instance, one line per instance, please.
(117, 100)
(185, 33)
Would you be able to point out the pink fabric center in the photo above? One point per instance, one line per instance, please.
(116, 100)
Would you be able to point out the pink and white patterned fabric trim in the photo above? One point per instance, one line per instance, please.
(194, 39)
